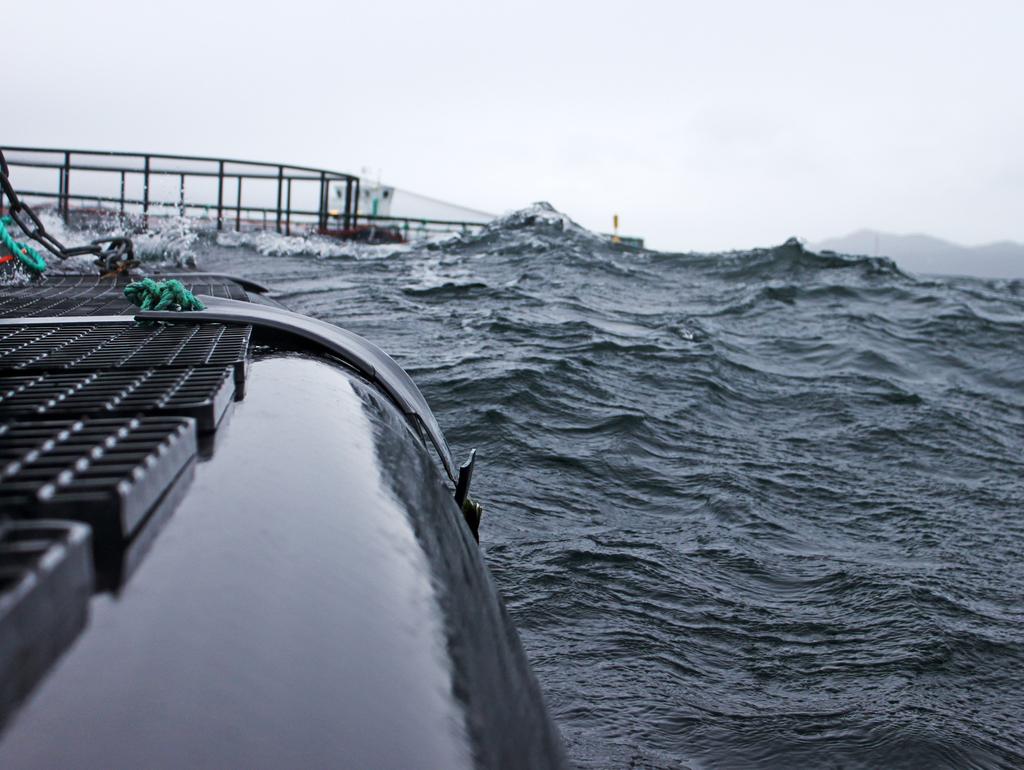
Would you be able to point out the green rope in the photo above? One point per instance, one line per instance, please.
(165, 295)
(29, 257)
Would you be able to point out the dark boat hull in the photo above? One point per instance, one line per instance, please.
(308, 594)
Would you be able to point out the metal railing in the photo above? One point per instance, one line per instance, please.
(405, 228)
(232, 194)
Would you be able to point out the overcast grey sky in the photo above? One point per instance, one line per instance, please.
(706, 125)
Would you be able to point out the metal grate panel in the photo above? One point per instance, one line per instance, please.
(46, 579)
(202, 394)
(107, 472)
(88, 295)
(124, 346)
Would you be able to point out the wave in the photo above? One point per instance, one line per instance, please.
(758, 508)
(788, 260)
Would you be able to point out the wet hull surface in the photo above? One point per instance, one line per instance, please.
(314, 600)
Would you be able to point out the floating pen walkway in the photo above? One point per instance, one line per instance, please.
(229, 194)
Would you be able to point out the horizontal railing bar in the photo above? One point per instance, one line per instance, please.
(427, 224)
(169, 172)
(169, 204)
(376, 218)
(164, 156)
(261, 209)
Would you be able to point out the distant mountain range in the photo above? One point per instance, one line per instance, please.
(925, 254)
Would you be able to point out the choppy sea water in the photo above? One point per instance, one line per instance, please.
(752, 509)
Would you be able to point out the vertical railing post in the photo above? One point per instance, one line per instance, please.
(348, 204)
(220, 195)
(355, 204)
(238, 205)
(122, 196)
(145, 194)
(322, 214)
(67, 185)
(288, 210)
(181, 195)
(60, 191)
(280, 180)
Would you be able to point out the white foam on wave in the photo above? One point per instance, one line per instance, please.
(544, 214)
(433, 271)
(180, 240)
(272, 244)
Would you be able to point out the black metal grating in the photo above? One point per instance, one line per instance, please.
(87, 295)
(123, 346)
(107, 472)
(98, 424)
(46, 579)
(202, 394)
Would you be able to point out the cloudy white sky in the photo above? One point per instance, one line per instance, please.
(705, 125)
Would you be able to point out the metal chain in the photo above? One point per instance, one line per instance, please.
(112, 254)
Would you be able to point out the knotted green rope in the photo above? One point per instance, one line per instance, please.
(165, 295)
(29, 257)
